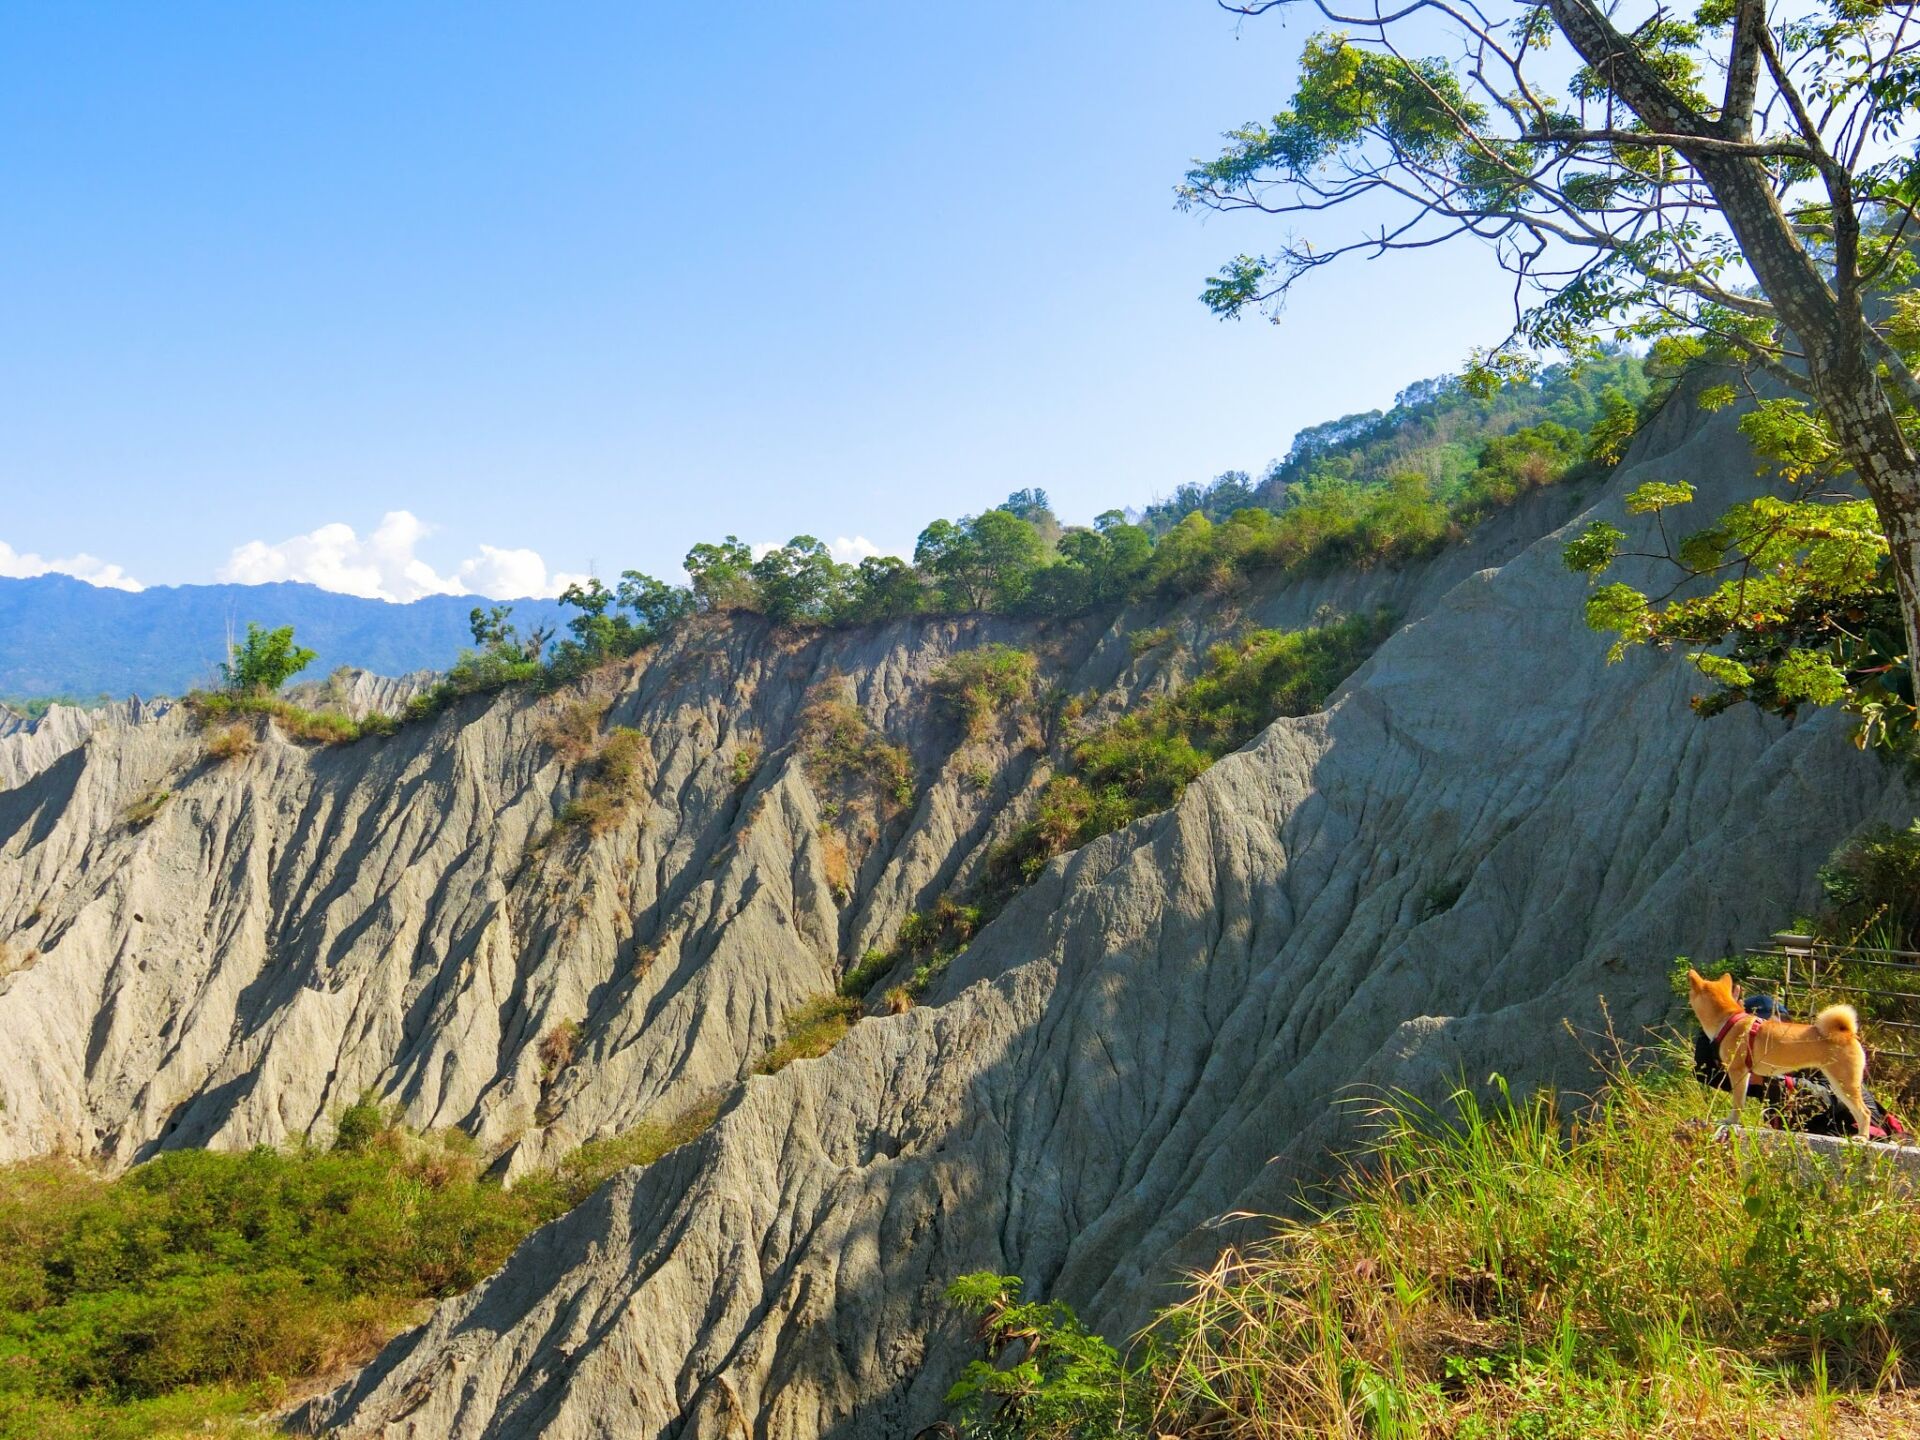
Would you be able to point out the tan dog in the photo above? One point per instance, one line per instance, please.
(1749, 1046)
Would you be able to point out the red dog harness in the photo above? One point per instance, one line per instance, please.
(1752, 1030)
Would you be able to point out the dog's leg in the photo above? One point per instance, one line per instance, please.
(1846, 1076)
(1738, 1085)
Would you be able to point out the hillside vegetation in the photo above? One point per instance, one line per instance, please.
(1364, 491)
(1509, 1268)
(207, 1286)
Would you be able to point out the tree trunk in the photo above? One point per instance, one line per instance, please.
(1843, 377)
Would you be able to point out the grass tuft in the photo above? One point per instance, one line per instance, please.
(1502, 1268)
(811, 1031)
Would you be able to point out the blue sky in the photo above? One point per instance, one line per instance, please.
(594, 281)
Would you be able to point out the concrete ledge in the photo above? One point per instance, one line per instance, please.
(1902, 1160)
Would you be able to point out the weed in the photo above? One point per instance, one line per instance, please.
(812, 1030)
(746, 760)
(144, 811)
(573, 729)
(1141, 641)
(983, 685)
(1498, 1269)
(839, 746)
(230, 742)
(557, 1047)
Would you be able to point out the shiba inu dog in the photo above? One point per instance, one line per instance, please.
(1749, 1046)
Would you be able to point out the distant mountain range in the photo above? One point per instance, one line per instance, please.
(60, 636)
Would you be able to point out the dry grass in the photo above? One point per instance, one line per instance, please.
(1509, 1270)
(622, 767)
(840, 748)
(557, 1048)
(836, 861)
(230, 742)
(573, 729)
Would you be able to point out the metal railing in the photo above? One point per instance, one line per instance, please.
(1806, 974)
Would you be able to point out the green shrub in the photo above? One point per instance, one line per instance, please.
(858, 980)
(207, 1283)
(746, 760)
(264, 661)
(360, 1124)
(984, 684)
(1141, 641)
(839, 745)
(1141, 763)
(1872, 884)
(812, 1030)
(144, 811)
(1067, 1382)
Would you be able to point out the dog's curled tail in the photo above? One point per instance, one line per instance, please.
(1837, 1022)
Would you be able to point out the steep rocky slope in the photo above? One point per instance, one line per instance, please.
(1489, 830)
(29, 746)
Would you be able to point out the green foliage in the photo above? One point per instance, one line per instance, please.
(1872, 883)
(1142, 762)
(1498, 1267)
(219, 709)
(594, 1163)
(621, 767)
(721, 575)
(1799, 608)
(983, 562)
(209, 1282)
(811, 1031)
(986, 683)
(746, 760)
(1067, 1384)
(860, 978)
(264, 661)
(360, 1124)
(144, 811)
(839, 745)
(1141, 641)
(798, 581)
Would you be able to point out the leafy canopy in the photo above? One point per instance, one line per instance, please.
(264, 661)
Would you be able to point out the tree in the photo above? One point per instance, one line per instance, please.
(883, 587)
(798, 581)
(1036, 509)
(494, 633)
(985, 562)
(722, 575)
(598, 635)
(655, 605)
(1741, 182)
(264, 661)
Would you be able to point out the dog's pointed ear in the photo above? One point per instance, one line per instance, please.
(1726, 979)
(1695, 980)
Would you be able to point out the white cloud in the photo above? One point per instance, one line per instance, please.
(384, 565)
(852, 552)
(848, 551)
(24, 565)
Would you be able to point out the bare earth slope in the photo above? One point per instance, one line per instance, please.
(1486, 832)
